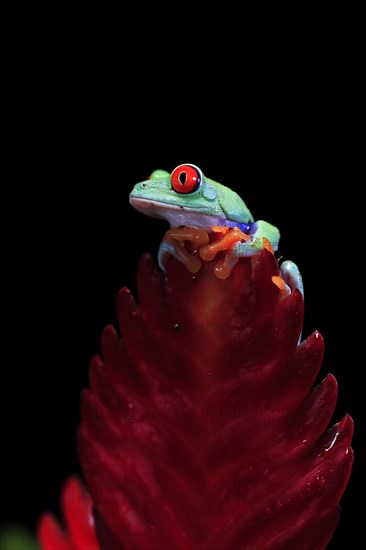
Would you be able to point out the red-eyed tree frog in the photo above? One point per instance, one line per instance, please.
(187, 199)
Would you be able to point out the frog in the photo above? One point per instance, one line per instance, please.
(196, 206)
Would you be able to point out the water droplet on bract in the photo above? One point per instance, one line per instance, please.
(176, 326)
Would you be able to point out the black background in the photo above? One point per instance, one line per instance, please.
(70, 239)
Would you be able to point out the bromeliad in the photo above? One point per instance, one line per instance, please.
(201, 428)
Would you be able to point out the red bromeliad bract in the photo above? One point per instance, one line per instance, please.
(201, 428)
(77, 512)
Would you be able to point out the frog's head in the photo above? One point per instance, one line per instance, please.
(186, 197)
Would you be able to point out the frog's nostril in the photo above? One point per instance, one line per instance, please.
(144, 185)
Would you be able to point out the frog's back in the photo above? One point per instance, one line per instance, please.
(234, 207)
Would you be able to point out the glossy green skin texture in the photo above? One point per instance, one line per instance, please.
(211, 199)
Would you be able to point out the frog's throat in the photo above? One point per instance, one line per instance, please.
(178, 215)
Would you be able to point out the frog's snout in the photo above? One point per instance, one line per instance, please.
(139, 189)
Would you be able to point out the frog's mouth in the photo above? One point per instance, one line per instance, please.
(175, 215)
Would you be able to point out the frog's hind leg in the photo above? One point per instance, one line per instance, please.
(261, 232)
(292, 276)
(293, 279)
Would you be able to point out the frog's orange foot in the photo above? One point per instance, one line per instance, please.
(231, 236)
(228, 241)
(174, 244)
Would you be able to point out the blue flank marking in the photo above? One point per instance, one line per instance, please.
(244, 227)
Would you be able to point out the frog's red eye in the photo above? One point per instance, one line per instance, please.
(186, 178)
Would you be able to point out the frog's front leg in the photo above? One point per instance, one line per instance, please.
(173, 245)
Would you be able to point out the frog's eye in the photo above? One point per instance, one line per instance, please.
(186, 178)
